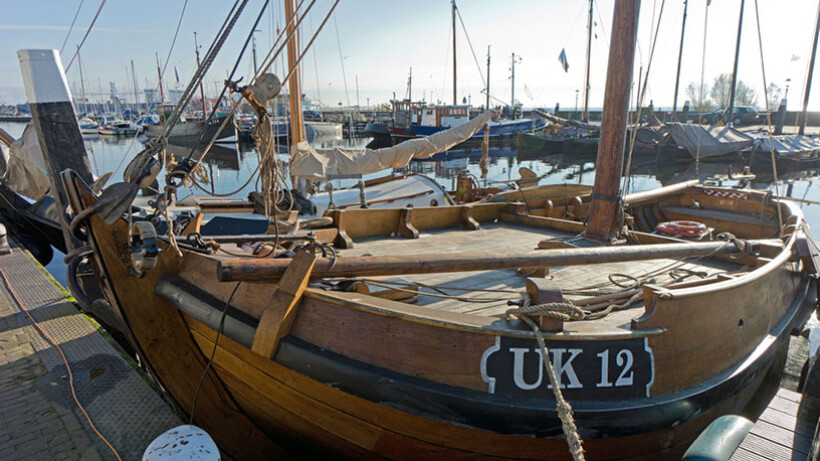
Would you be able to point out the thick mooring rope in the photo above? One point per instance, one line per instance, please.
(563, 407)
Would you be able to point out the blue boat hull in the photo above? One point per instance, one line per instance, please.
(504, 128)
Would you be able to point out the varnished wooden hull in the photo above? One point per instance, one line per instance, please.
(361, 377)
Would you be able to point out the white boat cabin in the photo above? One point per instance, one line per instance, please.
(444, 116)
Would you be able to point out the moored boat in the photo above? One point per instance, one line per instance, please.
(386, 333)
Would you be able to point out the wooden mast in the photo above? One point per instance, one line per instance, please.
(730, 114)
(809, 76)
(680, 56)
(82, 81)
(488, 77)
(455, 99)
(201, 89)
(297, 134)
(159, 76)
(585, 118)
(603, 223)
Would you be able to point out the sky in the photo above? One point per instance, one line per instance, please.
(367, 47)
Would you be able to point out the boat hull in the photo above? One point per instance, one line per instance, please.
(505, 128)
(440, 395)
(190, 132)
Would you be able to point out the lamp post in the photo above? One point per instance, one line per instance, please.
(786, 94)
(575, 112)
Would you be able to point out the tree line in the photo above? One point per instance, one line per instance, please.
(716, 95)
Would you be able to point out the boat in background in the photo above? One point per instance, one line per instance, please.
(117, 127)
(188, 132)
(293, 346)
(428, 120)
(88, 126)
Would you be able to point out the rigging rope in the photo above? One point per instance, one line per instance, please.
(768, 115)
(71, 27)
(634, 135)
(269, 61)
(88, 31)
(230, 77)
(702, 76)
(478, 66)
(341, 60)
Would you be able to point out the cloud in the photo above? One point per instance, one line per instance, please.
(48, 27)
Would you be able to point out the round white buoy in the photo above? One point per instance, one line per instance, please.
(182, 443)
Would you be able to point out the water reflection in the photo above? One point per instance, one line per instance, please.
(230, 165)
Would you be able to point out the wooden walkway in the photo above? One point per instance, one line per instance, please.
(38, 418)
(781, 434)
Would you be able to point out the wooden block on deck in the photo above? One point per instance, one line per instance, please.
(277, 319)
(542, 291)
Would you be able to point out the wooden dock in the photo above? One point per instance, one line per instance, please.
(38, 417)
(780, 433)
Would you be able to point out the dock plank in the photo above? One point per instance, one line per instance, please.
(778, 435)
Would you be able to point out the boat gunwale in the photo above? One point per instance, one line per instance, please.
(749, 277)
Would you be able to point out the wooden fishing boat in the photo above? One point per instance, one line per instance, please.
(387, 332)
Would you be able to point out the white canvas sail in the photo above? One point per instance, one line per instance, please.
(320, 164)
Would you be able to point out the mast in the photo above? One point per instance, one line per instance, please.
(488, 77)
(294, 85)
(606, 200)
(589, 52)
(136, 90)
(455, 99)
(680, 56)
(512, 87)
(201, 89)
(734, 71)
(82, 81)
(159, 76)
(809, 76)
(255, 68)
(410, 85)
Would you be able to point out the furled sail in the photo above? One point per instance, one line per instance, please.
(26, 170)
(320, 164)
(712, 141)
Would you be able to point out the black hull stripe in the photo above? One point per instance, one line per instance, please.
(596, 419)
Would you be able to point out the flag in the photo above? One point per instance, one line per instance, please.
(563, 58)
(176, 73)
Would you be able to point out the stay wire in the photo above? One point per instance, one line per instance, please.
(230, 78)
(268, 60)
(768, 114)
(641, 98)
(87, 32)
(71, 27)
(475, 58)
(65, 361)
(213, 352)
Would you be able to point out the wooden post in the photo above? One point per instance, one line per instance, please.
(605, 193)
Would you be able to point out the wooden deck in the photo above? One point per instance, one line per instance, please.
(781, 434)
(487, 293)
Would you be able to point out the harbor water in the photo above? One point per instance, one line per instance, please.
(230, 165)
